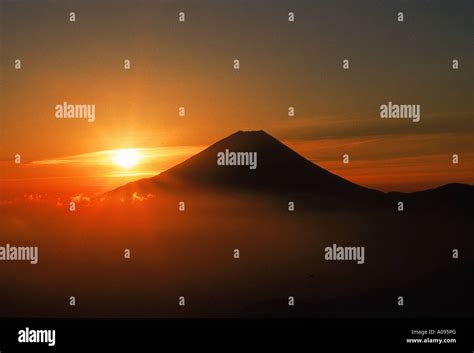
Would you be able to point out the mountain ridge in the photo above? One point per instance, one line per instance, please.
(280, 171)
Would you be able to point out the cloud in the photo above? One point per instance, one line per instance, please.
(106, 157)
(315, 128)
(137, 197)
(81, 198)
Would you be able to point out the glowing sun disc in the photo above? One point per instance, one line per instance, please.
(126, 158)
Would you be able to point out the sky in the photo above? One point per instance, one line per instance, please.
(190, 64)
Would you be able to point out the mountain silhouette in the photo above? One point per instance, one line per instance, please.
(280, 171)
(279, 168)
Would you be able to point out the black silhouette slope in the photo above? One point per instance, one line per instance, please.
(280, 170)
(455, 196)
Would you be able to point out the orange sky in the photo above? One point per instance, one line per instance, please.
(190, 65)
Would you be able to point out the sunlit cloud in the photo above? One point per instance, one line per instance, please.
(133, 174)
(81, 198)
(137, 197)
(106, 158)
(91, 172)
(357, 126)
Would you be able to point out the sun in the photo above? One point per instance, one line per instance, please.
(126, 158)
